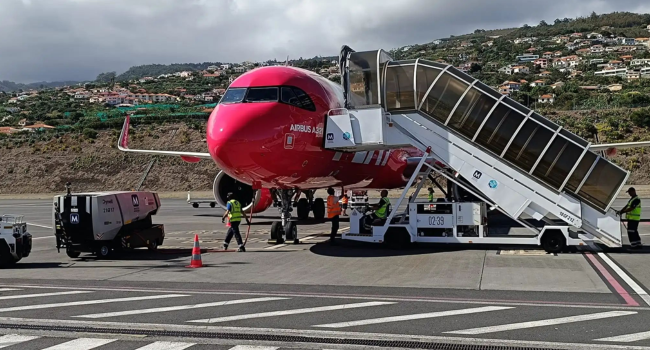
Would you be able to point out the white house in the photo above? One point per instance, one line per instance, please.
(546, 99)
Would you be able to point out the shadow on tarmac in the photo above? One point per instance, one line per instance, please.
(269, 219)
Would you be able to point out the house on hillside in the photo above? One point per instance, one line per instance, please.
(546, 99)
(545, 74)
(520, 69)
(538, 83)
(547, 55)
(541, 62)
(597, 49)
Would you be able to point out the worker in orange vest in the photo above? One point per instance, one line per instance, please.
(344, 204)
(333, 213)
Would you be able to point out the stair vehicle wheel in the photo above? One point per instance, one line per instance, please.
(152, 246)
(276, 232)
(303, 208)
(213, 204)
(72, 253)
(103, 251)
(553, 242)
(318, 208)
(397, 238)
(195, 205)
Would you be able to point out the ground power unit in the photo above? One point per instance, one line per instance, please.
(104, 222)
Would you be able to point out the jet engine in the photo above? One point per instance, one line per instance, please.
(250, 199)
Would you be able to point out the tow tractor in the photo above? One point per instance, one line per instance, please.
(15, 241)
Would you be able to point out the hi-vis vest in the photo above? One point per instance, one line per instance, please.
(333, 207)
(431, 197)
(382, 212)
(235, 211)
(635, 214)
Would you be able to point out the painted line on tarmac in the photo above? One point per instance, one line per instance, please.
(38, 225)
(166, 345)
(315, 333)
(396, 298)
(278, 246)
(9, 289)
(629, 300)
(81, 344)
(542, 323)
(35, 238)
(14, 339)
(630, 282)
(627, 338)
(414, 317)
(39, 295)
(291, 312)
(89, 302)
(179, 307)
(253, 347)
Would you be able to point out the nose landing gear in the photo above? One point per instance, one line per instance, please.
(286, 229)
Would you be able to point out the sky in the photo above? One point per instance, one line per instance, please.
(53, 40)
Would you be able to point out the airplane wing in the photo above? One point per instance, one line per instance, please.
(123, 145)
(622, 145)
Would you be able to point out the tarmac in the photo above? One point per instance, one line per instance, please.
(313, 295)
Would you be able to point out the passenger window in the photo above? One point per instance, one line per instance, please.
(267, 94)
(233, 95)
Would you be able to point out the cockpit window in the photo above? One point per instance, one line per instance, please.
(233, 95)
(297, 97)
(266, 94)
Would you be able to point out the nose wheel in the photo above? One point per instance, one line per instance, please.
(286, 229)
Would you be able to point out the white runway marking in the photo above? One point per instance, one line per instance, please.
(630, 282)
(35, 238)
(8, 289)
(81, 344)
(276, 246)
(90, 302)
(627, 338)
(13, 339)
(413, 317)
(541, 323)
(39, 225)
(291, 312)
(179, 307)
(7, 297)
(253, 347)
(166, 345)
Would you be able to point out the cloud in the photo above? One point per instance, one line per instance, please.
(78, 39)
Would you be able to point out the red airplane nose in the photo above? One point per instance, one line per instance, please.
(237, 134)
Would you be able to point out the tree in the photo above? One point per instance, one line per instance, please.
(593, 15)
(543, 23)
(106, 77)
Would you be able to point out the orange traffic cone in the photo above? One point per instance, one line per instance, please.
(196, 254)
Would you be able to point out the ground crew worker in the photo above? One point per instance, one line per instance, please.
(344, 204)
(381, 209)
(333, 213)
(632, 211)
(234, 214)
(430, 194)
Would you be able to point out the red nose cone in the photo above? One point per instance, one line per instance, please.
(237, 135)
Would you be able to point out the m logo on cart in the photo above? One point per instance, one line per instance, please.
(477, 174)
(134, 199)
(330, 137)
(74, 218)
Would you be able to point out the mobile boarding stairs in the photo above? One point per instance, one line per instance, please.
(506, 155)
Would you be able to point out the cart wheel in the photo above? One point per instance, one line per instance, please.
(72, 254)
(553, 242)
(213, 204)
(103, 251)
(195, 205)
(153, 246)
